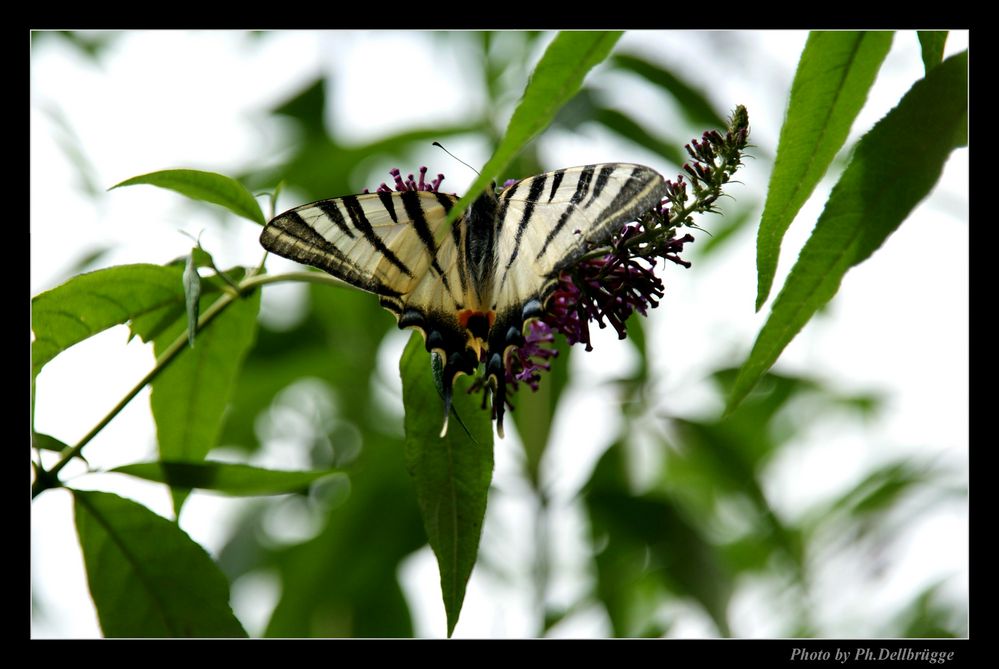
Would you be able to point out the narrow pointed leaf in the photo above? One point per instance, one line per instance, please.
(146, 576)
(931, 44)
(556, 78)
(206, 186)
(202, 258)
(835, 72)
(627, 127)
(91, 303)
(895, 166)
(694, 104)
(224, 477)
(451, 473)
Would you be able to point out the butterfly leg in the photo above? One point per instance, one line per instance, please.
(505, 338)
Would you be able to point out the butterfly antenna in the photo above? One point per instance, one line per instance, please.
(441, 147)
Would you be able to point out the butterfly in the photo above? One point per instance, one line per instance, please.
(472, 289)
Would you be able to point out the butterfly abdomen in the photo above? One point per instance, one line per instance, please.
(480, 246)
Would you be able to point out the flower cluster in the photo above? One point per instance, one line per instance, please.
(610, 287)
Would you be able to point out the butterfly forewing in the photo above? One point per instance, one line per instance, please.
(379, 242)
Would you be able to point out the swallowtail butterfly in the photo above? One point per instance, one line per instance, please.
(470, 290)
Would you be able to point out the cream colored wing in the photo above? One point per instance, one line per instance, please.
(544, 223)
(384, 243)
(380, 242)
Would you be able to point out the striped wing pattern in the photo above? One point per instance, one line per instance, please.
(472, 293)
(548, 221)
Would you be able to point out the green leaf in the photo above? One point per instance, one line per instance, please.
(93, 302)
(929, 615)
(895, 165)
(201, 257)
(190, 395)
(877, 493)
(556, 78)
(92, 46)
(206, 186)
(834, 74)
(228, 478)
(452, 473)
(47, 442)
(146, 576)
(931, 43)
(192, 296)
(694, 103)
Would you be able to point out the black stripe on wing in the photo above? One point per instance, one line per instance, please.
(602, 178)
(387, 199)
(414, 210)
(582, 188)
(456, 232)
(557, 177)
(360, 221)
(637, 196)
(533, 195)
(332, 212)
(291, 237)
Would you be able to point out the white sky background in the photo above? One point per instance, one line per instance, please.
(899, 325)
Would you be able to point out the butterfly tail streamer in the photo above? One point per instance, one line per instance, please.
(496, 373)
(447, 411)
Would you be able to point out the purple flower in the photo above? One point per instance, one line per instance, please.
(410, 183)
(608, 289)
(528, 361)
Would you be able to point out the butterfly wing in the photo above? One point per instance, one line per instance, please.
(545, 224)
(384, 243)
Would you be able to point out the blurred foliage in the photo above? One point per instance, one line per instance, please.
(91, 43)
(692, 530)
(701, 523)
